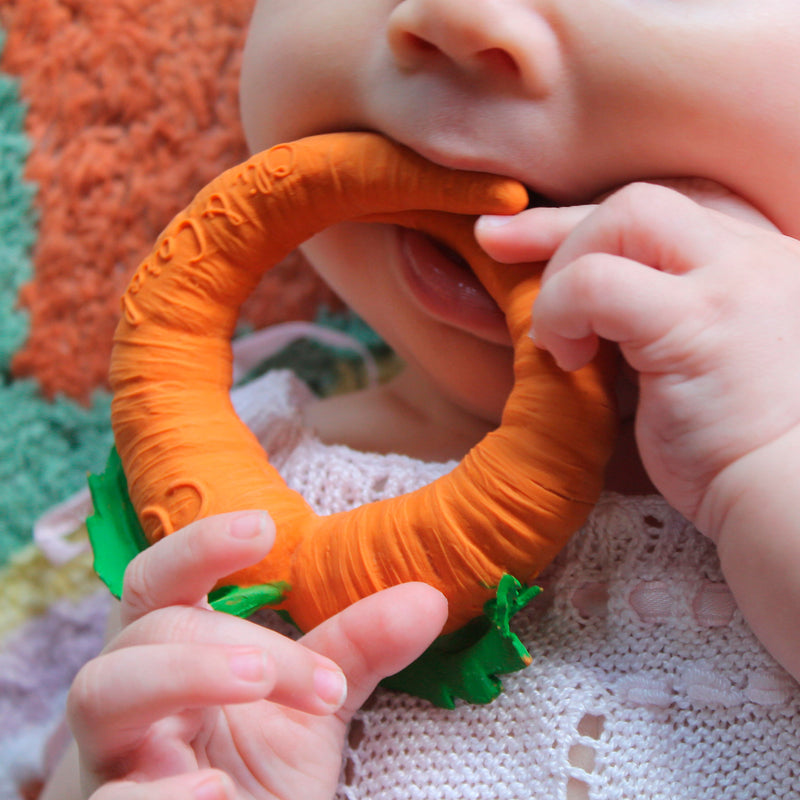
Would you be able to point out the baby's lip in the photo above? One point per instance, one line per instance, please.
(541, 195)
(444, 285)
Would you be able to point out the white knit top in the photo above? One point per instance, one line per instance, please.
(646, 683)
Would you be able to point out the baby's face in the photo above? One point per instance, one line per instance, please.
(572, 97)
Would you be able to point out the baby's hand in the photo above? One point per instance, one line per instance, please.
(187, 702)
(703, 304)
(703, 299)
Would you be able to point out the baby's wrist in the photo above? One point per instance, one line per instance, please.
(755, 486)
(751, 512)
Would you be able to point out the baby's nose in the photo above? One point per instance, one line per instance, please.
(508, 42)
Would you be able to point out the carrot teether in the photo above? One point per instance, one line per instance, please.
(506, 509)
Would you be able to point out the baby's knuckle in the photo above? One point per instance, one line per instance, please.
(590, 280)
(137, 590)
(169, 625)
(83, 700)
(638, 196)
(197, 543)
(176, 624)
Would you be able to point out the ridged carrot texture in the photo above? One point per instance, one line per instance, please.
(508, 507)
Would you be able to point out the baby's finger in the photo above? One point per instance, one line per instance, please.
(379, 635)
(609, 297)
(651, 224)
(116, 698)
(204, 785)
(531, 235)
(183, 567)
(303, 679)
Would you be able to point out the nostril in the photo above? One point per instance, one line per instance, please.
(417, 44)
(509, 46)
(492, 61)
(411, 50)
(497, 61)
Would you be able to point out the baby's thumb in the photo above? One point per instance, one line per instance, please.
(380, 635)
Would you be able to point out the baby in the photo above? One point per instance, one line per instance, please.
(698, 282)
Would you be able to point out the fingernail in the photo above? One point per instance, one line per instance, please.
(494, 220)
(330, 686)
(210, 789)
(248, 526)
(247, 663)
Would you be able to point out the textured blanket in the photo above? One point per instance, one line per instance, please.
(112, 114)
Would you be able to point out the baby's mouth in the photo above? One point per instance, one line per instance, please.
(538, 200)
(442, 282)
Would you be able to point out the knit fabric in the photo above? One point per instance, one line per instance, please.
(645, 683)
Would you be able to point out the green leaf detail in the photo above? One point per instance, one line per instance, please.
(465, 664)
(117, 538)
(114, 530)
(242, 601)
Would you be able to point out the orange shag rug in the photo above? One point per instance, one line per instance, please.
(131, 107)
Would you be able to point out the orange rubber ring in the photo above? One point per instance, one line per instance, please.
(508, 507)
